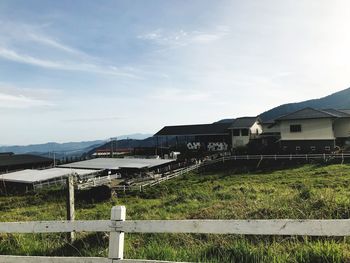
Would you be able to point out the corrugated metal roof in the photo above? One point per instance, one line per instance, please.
(117, 163)
(244, 122)
(32, 176)
(195, 130)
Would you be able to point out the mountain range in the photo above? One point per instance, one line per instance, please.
(64, 150)
(338, 100)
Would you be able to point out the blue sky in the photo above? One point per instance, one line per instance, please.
(83, 70)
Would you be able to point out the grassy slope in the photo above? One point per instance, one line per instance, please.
(318, 192)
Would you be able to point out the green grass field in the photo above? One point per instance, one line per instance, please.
(306, 192)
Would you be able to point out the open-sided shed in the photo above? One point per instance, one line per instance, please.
(118, 163)
(33, 179)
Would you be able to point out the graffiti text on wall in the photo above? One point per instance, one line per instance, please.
(211, 146)
(217, 146)
(193, 145)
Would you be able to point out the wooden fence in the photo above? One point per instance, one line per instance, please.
(117, 226)
(259, 158)
(154, 182)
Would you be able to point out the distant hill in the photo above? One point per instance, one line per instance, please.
(338, 100)
(225, 121)
(131, 143)
(134, 136)
(63, 150)
(50, 147)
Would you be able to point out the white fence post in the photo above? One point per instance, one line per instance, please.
(116, 238)
(70, 204)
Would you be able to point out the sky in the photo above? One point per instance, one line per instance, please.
(85, 69)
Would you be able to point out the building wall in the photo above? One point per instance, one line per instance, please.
(267, 129)
(307, 146)
(256, 129)
(342, 128)
(239, 141)
(312, 129)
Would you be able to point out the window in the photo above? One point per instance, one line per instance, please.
(295, 128)
(298, 148)
(327, 148)
(313, 148)
(245, 132)
(236, 132)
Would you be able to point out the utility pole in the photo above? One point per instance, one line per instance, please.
(113, 140)
(111, 147)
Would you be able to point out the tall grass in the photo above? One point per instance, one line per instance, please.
(306, 192)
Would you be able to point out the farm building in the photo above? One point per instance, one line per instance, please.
(304, 131)
(201, 137)
(243, 130)
(35, 179)
(268, 142)
(125, 166)
(313, 130)
(12, 162)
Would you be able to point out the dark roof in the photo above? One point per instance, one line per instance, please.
(23, 159)
(338, 113)
(308, 113)
(244, 122)
(345, 111)
(311, 113)
(268, 122)
(195, 130)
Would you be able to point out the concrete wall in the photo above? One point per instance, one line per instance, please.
(239, 141)
(307, 146)
(342, 128)
(274, 129)
(312, 129)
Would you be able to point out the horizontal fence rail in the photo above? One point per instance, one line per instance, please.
(56, 226)
(28, 259)
(285, 227)
(154, 182)
(177, 173)
(117, 226)
(324, 157)
(289, 227)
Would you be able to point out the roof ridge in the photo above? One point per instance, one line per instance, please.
(326, 112)
(306, 108)
(290, 113)
(341, 112)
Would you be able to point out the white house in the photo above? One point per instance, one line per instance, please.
(311, 130)
(243, 130)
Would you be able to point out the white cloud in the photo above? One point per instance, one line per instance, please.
(184, 38)
(13, 35)
(178, 95)
(94, 119)
(12, 97)
(9, 101)
(39, 38)
(63, 65)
